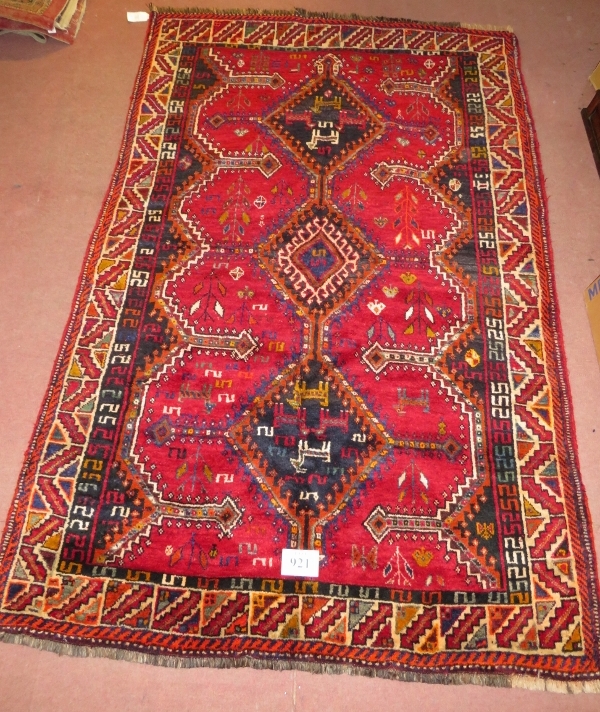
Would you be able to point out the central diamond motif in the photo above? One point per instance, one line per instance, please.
(309, 443)
(319, 259)
(325, 123)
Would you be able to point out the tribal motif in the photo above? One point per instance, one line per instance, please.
(316, 315)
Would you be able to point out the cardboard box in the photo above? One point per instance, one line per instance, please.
(592, 303)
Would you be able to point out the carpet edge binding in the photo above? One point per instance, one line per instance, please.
(524, 682)
(177, 661)
(302, 13)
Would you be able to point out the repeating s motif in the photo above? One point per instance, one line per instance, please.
(316, 315)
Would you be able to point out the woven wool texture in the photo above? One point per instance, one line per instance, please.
(316, 313)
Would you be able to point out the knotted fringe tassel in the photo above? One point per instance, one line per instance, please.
(307, 14)
(174, 661)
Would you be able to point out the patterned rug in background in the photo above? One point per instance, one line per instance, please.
(40, 19)
(316, 314)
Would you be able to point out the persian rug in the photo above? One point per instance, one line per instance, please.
(316, 317)
(41, 19)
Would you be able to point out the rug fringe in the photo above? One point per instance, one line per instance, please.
(301, 12)
(487, 28)
(180, 662)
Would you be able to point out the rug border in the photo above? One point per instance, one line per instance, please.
(555, 355)
(581, 523)
(174, 661)
(82, 286)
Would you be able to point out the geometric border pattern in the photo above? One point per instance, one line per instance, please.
(425, 639)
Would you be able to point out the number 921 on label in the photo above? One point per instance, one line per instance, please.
(301, 563)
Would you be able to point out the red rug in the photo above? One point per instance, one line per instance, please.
(316, 315)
